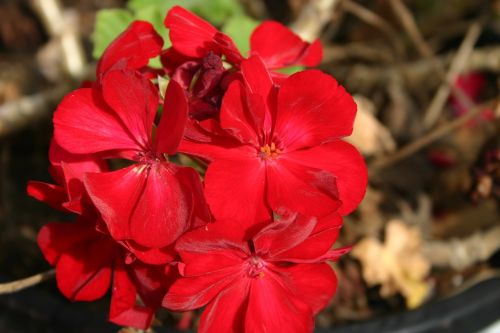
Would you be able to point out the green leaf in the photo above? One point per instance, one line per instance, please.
(218, 11)
(162, 5)
(239, 28)
(291, 70)
(109, 24)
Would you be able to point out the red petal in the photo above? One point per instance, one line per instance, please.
(226, 313)
(270, 240)
(173, 120)
(151, 256)
(317, 245)
(135, 100)
(256, 76)
(132, 49)
(345, 162)
(194, 37)
(83, 124)
(313, 55)
(83, 273)
(235, 190)
(152, 281)
(312, 109)
(55, 239)
(215, 247)
(171, 60)
(236, 117)
(53, 195)
(190, 35)
(123, 310)
(280, 47)
(303, 189)
(194, 292)
(314, 284)
(156, 210)
(272, 308)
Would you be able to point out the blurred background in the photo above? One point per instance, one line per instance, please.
(425, 75)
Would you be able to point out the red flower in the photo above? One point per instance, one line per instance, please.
(152, 202)
(88, 259)
(270, 283)
(197, 48)
(280, 147)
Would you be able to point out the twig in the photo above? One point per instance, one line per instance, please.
(14, 286)
(409, 24)
(457, 66)
(313, 18)
(16, 114)
(423, 141)
(373, 19)
(416, 73)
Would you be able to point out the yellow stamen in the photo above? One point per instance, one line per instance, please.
(269, 151)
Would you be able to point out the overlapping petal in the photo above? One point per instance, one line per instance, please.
(132, 49)
(195, 37)
(313, 109)
(84, 124)
(156, 210)
(279, 47)
(342, 160)
(272, 308)
(304, 189)
(83, 272)
(235, 189)
(124, 310)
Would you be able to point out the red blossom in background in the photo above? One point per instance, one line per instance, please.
(269, 283)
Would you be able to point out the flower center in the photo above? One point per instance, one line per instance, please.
(147, 157)
(255, 267)
(269, 151)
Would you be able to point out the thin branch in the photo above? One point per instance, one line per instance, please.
(430, 137)
(416, 73)
(14, 286)
(407, 20)
(375, 20)
(457, 66)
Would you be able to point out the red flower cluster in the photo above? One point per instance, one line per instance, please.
(251, 243)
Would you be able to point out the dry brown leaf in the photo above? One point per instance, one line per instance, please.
(369, 135)
(398, 265)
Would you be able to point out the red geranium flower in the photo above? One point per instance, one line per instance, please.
(197, 48)
(274, 282)
(280, 147)
(152, 202)
(87, 260)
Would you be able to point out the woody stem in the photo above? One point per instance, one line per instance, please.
(14, 286)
